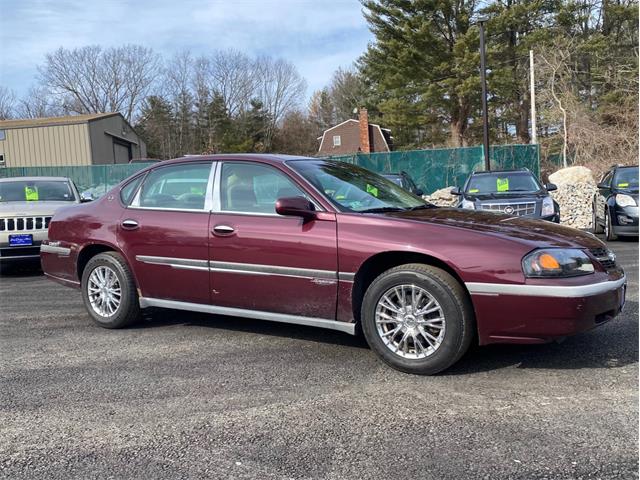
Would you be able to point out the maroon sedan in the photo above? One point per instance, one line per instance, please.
(329, 244)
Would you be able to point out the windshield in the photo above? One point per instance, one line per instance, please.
(352, 188)
(502, 182)
(626, 179)
(36, 191)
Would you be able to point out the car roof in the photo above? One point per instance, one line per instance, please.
(31, 179)
(262, 157)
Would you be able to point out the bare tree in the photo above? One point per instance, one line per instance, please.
(98, 80)
(347, 91)
(38, 103)
(7, 103)
(234, 77)
(280, 89)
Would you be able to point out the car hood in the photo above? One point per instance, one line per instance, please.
(26, 209)
(537, 233)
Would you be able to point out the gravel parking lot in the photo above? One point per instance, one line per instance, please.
(193, 396)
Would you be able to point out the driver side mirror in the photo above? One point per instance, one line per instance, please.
(456, 191)
(86, 197)
(419, 192)
(551, 187)
(602, 186)
(296, 207)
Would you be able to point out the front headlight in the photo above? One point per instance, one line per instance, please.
(625, 200)
(547, 206)
(467, 204)
(556, 262)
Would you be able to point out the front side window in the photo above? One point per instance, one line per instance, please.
(355, 189)
(177, 187)
(127, 192)
(502, 183)
(36, 191)
(253, 188)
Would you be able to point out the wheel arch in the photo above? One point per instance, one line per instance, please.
(91, 250)
(375, 265)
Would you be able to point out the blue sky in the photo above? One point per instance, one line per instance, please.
(317, 36)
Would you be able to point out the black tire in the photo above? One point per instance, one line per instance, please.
(129, 309)
(595, 226)
(456, 307)
(609, 233)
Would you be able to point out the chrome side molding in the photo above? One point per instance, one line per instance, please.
(256, 314)
(60, 251)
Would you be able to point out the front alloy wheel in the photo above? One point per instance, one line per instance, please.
(410, 321)
(417, 318)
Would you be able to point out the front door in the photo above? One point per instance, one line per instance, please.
(263, 261)
(165, 232)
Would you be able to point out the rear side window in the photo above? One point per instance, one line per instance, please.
(179, 187)
(129, 190)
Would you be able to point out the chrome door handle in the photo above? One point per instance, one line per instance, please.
(130, 224)
(223, 229)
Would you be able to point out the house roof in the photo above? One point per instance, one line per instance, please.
(50, 121)
(374, 125)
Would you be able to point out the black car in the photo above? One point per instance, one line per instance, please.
(513, 192)
(615, 205)
(405, 181)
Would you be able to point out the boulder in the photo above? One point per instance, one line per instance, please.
(576, 188)
(572, 175)
(442, 197)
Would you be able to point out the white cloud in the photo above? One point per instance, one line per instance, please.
(316, 36)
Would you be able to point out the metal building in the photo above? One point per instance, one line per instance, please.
(94, 139)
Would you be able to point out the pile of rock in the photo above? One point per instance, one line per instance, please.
(576, 188)
(442, 197)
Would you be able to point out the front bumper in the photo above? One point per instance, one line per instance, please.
(540, 314)
(10, 254)
(625, 221)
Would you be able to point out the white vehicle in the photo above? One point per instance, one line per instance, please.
(26, 207)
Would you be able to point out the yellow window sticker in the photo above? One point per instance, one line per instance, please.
(473, 190)
(197, 190)
(31, 194)
(502, 184)
(372, 190)
(623, 185)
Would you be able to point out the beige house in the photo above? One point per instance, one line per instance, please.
(355, 136)
(94, 139)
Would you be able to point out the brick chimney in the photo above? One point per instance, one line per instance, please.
(363, 119)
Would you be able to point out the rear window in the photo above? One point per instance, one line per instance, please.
(36, 191)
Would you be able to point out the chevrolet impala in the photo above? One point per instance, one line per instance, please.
(329, 244)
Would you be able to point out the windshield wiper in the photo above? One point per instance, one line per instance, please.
(382, 210)
(421, 207)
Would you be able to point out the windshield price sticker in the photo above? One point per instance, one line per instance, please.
(31, 194)
(623, 185)
(502, 184)
(372, 190)
(473, 190)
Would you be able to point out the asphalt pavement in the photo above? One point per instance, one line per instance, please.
(194, 396)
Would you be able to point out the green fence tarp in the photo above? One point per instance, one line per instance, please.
(94, 179)
(443, 167)
(431, 169)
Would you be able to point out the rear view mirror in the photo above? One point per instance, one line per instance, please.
(456, 191)
(551, 187)
(295, 207)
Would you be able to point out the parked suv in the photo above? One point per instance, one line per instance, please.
(512, 192)
(615, 204)
(26, 207)
(404, 180)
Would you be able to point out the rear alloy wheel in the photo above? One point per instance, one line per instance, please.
(608, 228)
(109, 292)
(417, 318)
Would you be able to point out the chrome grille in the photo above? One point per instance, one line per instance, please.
(605, 256)
(517, 208)
(24, 224)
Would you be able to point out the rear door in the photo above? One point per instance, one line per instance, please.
(265, 262)
(165, 232)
